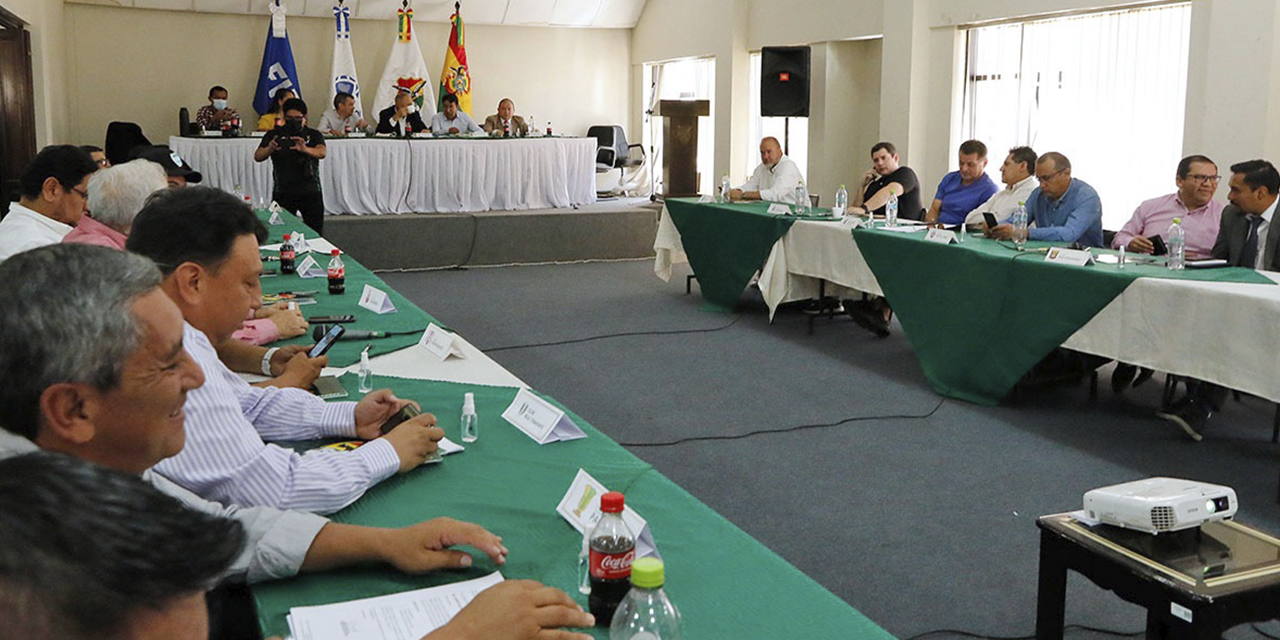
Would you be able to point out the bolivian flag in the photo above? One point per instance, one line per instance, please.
(455, 78)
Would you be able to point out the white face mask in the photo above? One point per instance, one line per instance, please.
(219, 104)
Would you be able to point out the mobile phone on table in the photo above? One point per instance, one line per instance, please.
(327, 341)
(1160, 248)
(990, 219)
(332, 319)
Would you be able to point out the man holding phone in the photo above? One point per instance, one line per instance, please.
(296, 151)
(206, 245)
(1197, 180)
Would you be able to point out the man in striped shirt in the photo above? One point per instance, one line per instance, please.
(206, 245)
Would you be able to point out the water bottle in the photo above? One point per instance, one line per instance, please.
(1176, 239)
(366, 372)
(288, 256)
(470, 424)
(806, 206)
(337, 274)
(891, 211)
(842, 203)
(646, 613)
(725, 188)
(533, 127)
(1019, 222)
(237, 192)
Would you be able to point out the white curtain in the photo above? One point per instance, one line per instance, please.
(760, 126)
(688, 79)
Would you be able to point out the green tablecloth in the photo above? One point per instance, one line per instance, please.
(727, 243)
(407, 317)
(979, 314)
(726, 584)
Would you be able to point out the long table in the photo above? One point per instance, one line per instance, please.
(979, 314)
(726, 584)
(366, 176)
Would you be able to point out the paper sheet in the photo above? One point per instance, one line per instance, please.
(399, 616)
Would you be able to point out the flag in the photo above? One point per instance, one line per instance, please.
(405, 68)
(455, 78)
(278, 70)
(344, 62)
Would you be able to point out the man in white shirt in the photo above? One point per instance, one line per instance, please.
(774, 180)
(452, 121)
(342, 118)
(53, 193)
(1018, 175)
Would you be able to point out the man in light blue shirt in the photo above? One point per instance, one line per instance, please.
(1063, 209)
(452, 121)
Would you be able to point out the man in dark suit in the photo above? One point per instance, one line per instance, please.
(1246, 238)
(504, 119)
(398, 119)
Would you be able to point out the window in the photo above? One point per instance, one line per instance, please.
(759, 126)
(1108, 90)
(689, 79)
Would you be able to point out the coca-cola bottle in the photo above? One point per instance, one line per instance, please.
(288, 255)
(613, 547)
(337, 274)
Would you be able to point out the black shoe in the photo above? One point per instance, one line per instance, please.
(866, 315)
(1144, 374)
(1189, 414)
(1123, 376)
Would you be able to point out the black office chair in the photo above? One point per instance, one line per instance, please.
(184, 122)
(122, 137)
(613, 152)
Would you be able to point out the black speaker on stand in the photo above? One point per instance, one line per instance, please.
(784, 85)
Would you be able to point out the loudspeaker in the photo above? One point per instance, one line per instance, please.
(784, 81)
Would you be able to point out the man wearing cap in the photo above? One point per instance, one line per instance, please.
(177, 172)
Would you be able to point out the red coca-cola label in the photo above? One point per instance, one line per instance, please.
(611, 566)
(337, 273)
(288, 254)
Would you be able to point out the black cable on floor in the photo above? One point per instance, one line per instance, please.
(612, 335)
(1082, 627)
(803, 427)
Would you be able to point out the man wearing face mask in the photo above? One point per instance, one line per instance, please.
(296, 151)
(212, 115)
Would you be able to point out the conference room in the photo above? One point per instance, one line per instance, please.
(621, 321)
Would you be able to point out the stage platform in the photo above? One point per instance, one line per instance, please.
(608, 230)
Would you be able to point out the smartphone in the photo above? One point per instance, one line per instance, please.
(407, 412)
(327, 341)
(1160, 247)
(990, 219)
(332, 319)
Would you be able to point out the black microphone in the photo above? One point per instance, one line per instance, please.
(321, 329)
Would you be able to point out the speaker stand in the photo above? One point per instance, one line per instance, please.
(786, 136)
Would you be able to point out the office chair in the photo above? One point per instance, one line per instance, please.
(184, 122)
(613, 152)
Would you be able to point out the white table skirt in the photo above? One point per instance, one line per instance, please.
(377, 175)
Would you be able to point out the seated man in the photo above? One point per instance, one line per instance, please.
(960, 191)
(206, 244)
(295, 151)
(506, 120)
(1062, 209)
(99, 156)
(1247, 237)
(1197, 180)
(212, 116)
(887, 177)
(775, 178)
(116, 195)
(342, 118)
(451, 120)
(53, 194)
(178, 172)
(1017, 174)
(398, 119)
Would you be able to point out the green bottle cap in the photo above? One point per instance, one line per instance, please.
(647, 573)
(1178, 220)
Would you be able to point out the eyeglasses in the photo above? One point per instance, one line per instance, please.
(1196, 177)
(1049, 177)
(103, 162)
(80, 192)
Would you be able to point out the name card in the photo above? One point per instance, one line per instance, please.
(779, 209)
(940, 236)
(1077, 257)
(580, 506)
(707, 198)
(440, 343)
(309, 268)
(275, 218)
(540, 420)
(376, 301)
(853, 222)
(275, 207)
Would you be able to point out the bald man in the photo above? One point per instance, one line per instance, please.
(774, 180)
(506, 120)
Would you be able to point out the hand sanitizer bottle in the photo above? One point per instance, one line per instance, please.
(470, 425)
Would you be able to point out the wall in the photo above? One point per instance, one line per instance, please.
(845, 98)
(806, 21)
(575, 77)
(48, 42)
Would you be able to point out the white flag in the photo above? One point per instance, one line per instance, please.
(405, 70)
(344, 62)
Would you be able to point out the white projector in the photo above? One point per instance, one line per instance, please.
(1158, 505)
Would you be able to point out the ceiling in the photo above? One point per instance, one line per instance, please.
(615, 14)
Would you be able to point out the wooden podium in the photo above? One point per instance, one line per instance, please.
(680, 145)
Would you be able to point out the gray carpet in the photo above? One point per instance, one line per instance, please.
(919, 523)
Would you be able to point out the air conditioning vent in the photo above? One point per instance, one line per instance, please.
(1162, 518)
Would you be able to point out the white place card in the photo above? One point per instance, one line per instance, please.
(540, 420)
(440, 343)
(707, 198)
(275, 219)
(376, 300)
(275, 207)
(1077, 257)
(940, 236)
(580, 506)
(853, 222)
(309, 268)
(779, 209)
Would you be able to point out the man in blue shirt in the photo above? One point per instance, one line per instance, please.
(962, 191)
(1063, 209)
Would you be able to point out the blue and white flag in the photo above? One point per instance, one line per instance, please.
(344, 62)
(278, 71)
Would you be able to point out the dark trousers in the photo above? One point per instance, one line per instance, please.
(308, 206)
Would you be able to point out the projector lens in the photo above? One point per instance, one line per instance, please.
(1209, 506)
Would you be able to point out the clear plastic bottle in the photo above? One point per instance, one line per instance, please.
(797, 194)
(236, 191)
(533, 127)
(806, 205)
(891, 211)
(1176, 239)
(366, 372)
(548, 128)
(1019, 222)
(288, 256)
(725, 188)
(842, 202)
(646, 613)
(337, 274)
(470, 424)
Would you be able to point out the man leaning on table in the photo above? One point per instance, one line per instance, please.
(1063, 209)
(121, 406)
(450, 120)
(774, 180)
(961, 190)
(342, 118)
(206, 244)
(1247, 238)
(1018, 175)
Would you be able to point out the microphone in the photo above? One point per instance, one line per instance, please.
(319, 330)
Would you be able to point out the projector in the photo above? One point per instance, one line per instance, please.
(1159, 505)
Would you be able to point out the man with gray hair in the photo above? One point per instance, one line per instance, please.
(1062, 208)
(116, 195)
(775, 179)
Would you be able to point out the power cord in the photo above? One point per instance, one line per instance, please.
(612, 335)
(803, 427)
(1082, 627)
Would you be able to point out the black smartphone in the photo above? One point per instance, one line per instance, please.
(332, 319)
(327, 341)
(990, 219)
(406, 412)
(1160, 247)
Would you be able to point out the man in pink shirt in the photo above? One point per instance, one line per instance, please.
(116, 194)
(1197, 180)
